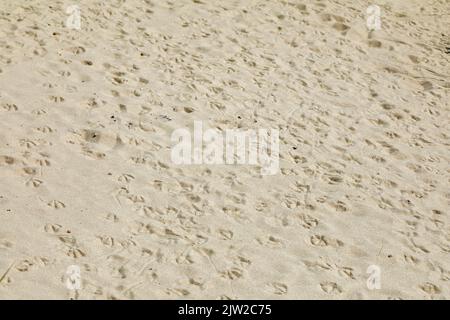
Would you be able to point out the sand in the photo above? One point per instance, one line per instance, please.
(358, 210)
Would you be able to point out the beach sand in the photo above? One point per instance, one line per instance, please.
(358, 210)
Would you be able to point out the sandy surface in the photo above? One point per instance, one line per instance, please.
(87, 179)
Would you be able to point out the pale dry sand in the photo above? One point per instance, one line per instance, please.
(87, 179)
